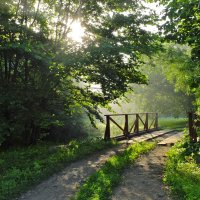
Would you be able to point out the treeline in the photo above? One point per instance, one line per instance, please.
(46, 78)
(162, 95)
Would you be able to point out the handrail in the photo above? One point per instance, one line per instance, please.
(128, 114)
(126, 131)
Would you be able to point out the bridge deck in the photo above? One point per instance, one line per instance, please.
(174, 136)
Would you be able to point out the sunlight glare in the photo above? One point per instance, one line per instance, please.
(77, 32)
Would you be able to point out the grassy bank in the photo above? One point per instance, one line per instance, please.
(99, 185)
(173, 123)
(182, 173)
(24, 167)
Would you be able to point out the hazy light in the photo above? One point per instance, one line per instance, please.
(158, 9)
(77, 31)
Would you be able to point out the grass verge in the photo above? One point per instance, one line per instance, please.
(182, 173)
(25, 167)
(173, 123)
(100, 184)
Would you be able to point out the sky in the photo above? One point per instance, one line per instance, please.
(78, 32)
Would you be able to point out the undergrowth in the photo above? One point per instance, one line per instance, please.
(24, 167)
(100, 184)
(182, 172)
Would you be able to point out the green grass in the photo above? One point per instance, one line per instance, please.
(24, 167)
(182, 173)
(172, 123)
(100, 184)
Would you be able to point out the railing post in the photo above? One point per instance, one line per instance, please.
(136, 129)
(192, 130)
(146, 126)
(156, 122)
(107, 131)
(126, 132)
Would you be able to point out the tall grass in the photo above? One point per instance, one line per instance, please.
(172, 123)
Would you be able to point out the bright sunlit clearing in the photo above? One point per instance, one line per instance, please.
(77, 32)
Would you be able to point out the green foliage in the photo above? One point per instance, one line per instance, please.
(182, 26)
(163, 94)
(99, 185)
(173, 123)
(45, 76)
(24, 167)
(182, 173)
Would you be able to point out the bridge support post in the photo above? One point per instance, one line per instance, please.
(146, 126)
(126, 132)
(156, 122)
(136, 129)
(107, 131)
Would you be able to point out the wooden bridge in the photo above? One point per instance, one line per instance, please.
(134, 124)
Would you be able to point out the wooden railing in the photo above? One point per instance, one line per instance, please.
(134, 126)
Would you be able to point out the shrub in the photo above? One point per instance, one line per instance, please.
(182, 173)
(24, 167)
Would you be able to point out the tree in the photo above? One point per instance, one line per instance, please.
(44, 75)
(182, 26)
(162, 94)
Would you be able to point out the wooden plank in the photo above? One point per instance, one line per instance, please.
(141, 119)
(172, 139)
(128, 114)
(116, 124)
(107, 131)
(146, 125)
(152, 123)
(126, 133)
(132, 126)
(136, 129)
(150, 135)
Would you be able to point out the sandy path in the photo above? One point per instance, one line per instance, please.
(143, 180)
(147, 172)
(64, 185)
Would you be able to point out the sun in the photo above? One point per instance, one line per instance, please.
(77, 32)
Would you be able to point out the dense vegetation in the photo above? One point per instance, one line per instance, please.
(182, 171)
(50, 84)
(33, 164)
(100, 184)
(49, 78)
(161, 69)
(182, 26)
(45, 77)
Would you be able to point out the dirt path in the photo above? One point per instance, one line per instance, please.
(143, 180)
(64, 185)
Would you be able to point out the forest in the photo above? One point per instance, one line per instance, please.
(65, 64)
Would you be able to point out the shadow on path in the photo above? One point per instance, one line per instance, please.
(143, 180)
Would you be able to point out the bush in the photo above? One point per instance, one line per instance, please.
(182, 173)
(33, 164)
